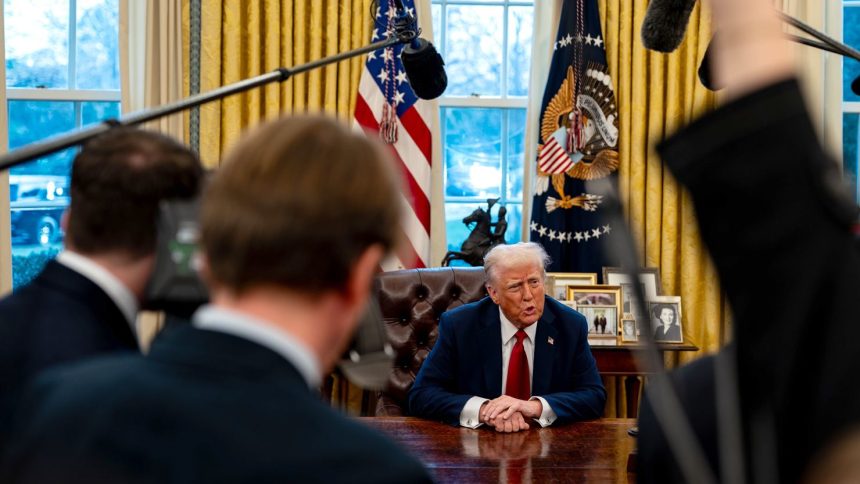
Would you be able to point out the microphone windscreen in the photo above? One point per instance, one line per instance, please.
(665, 24)
(425, 70)
(855, 86)
(705, 76)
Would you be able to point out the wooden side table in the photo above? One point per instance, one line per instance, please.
(621, 361)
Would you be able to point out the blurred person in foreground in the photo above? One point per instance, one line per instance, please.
(294, 225)
(514, 358)
(85, 302)
(771, 205)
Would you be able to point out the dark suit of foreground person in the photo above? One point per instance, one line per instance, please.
(771, 205)
(294, 226)
(85, 302)
(465, 378)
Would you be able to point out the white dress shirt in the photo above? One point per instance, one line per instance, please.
(214, 318)
(113, 287)
(469, 416)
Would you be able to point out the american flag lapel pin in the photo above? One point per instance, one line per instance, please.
(550, 340)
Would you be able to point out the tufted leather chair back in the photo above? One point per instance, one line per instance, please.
(411, 302)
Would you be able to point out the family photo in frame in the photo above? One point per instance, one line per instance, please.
(601, 306)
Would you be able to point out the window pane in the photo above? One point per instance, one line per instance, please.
(436, 12)
(455, 230)
(516, 152)
(31, 121)
(850, 160)
(39, 190)
(519, 50)
(473, 50)
(473, 164)
(37, 43)
(96, 111)
(851, 68)
(97, 61)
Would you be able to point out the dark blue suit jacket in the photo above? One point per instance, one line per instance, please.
(60, 317)
(202, 407)
(467, 361)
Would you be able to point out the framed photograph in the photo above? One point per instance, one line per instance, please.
(595, 296)
(665, 313)
(561, 281)
(601, 306)
(629, 331)
(602, 320)
(649, 280)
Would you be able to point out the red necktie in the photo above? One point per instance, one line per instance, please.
(517, 385)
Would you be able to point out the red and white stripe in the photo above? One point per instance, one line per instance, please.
(553, 158)
(412, 153)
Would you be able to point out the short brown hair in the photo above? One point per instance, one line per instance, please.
(118, 180)
(295, 204)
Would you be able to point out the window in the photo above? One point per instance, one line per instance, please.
(62, 73)
(487, 48)
(850, 100)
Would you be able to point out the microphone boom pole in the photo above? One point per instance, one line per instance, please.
(281, 74)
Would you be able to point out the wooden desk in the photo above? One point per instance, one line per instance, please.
(621, 361)
(584, 452)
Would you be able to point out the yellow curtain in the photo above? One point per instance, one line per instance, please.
(657, 94)
(241, 39)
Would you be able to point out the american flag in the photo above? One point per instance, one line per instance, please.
(383, 84)
(553, 158)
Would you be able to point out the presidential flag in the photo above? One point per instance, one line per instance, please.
(386, 107)
(578, 142)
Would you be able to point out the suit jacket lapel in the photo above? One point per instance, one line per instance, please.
(544, 353)
(490, 342)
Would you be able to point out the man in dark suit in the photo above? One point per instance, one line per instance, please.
(512, 358)
(85, 302)
(291, 239)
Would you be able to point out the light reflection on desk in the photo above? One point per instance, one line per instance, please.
(585, 452)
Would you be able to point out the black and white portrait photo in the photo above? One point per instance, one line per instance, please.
(666, 321)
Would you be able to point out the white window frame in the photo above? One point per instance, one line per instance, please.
(485, 101)
(32, 94)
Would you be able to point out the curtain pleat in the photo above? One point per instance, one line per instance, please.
(242, 39)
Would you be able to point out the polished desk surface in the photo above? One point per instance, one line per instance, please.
(594, 451)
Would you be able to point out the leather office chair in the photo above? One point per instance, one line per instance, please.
(411, 302)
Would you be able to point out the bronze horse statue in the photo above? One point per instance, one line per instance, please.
(480, 239)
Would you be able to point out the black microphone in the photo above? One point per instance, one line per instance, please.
(666, 23)
(425, 69)
(855, 86)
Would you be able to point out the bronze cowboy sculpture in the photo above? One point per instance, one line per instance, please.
(485, 235)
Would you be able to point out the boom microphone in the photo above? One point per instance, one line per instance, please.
(424, 67)
(665, 24)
